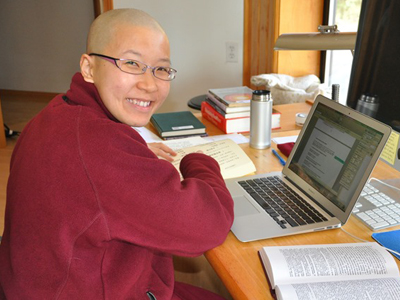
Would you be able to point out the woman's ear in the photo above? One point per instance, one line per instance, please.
(87, 65)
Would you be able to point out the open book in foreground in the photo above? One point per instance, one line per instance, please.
(332, 271)
(232, 160)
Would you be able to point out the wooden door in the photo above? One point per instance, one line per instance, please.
(264, 21)
(101, 6)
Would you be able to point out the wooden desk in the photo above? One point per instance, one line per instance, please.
(238, 264)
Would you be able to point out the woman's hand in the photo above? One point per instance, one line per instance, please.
(162, 150)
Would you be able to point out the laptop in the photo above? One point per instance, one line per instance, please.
(318, 187)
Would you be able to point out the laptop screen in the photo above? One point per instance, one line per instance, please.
(334, 154)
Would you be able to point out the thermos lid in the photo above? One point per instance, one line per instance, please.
(372, 99)
(369, 98)
(261, 95)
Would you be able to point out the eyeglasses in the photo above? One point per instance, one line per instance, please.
(137, 68)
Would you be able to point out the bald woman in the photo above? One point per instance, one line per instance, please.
(92, 212)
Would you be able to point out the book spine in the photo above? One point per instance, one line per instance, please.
(276, 120)
(217, 101)
(227, 125)
(216, 107)
(210, 93)
(167, 138)
(223, 95)
(226, 102)
(213, 116)
(231, 115)
(237, 125)
(225, 108)
(156, 126)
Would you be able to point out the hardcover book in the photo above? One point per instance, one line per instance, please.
(229, 115)
(234, 125)
(227, 109)
(173, 124)
(235, 96)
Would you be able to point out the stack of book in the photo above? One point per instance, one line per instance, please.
(229, 109)
(177, 125)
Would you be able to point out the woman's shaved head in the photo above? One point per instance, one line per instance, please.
(131, 34)
(103, 29)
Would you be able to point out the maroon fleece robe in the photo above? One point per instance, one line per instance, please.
(92, 213)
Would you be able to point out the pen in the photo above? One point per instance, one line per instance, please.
(281, 160)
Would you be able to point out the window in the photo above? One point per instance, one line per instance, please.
(345, 14)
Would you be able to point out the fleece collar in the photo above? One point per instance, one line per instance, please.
(86, 94)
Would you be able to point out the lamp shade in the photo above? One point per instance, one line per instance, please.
(316, 41)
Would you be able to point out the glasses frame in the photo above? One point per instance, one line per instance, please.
(143, 70)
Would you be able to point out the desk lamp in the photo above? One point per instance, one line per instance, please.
(328, 38)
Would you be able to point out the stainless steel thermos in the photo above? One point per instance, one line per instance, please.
(260, 119)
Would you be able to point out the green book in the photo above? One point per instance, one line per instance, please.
(177, 124)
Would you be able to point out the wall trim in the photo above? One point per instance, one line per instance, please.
(35, 96)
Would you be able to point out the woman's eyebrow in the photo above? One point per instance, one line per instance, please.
(161, 60)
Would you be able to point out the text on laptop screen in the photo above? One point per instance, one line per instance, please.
(334, 153)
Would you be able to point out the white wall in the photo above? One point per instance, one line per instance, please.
(41, 43)
(198, 32)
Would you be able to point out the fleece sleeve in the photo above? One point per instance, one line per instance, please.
(145, 202)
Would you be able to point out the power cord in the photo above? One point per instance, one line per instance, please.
(9, 132)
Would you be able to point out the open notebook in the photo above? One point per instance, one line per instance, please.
(317, 189)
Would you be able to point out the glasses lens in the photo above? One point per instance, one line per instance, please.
(131, 66)
(164, 73)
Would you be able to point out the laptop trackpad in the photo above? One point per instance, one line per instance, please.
(243, 207)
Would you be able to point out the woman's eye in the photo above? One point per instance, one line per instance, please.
(131, 63)
(163, 70)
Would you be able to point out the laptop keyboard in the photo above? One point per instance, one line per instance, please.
(281, 202)
(376, 209)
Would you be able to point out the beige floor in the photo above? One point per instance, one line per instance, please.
(18, 109)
